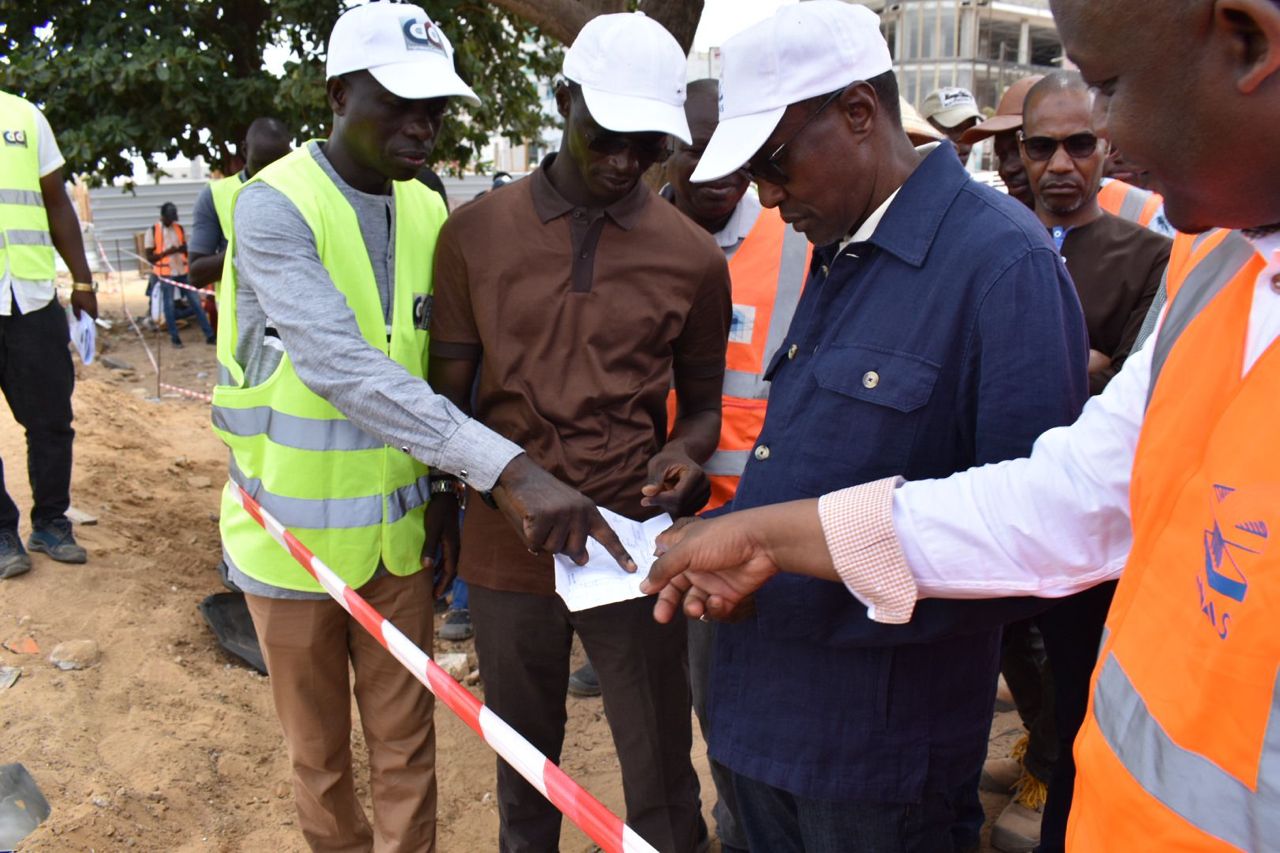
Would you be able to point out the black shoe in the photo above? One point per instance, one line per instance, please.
(177, 344)
(56, 540)
(457, 626)
(584, 682)
(14, 559)
(211, 341)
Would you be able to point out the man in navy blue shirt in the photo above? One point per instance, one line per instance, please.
(938, 330)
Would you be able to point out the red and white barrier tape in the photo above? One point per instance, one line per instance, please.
(187, 392)
(182, 285)
(589, 814)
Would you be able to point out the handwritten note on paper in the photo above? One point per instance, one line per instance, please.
(602, 580)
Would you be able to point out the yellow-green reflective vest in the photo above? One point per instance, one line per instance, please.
(27, 247)
(348, 497)
(223, 191)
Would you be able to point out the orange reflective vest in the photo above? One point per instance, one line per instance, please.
(1129, 202)
(767, 274)
(164, 266)
(1181, 746)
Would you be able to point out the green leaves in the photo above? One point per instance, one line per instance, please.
(136, 78)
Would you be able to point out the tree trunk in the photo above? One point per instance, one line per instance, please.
(562, 19)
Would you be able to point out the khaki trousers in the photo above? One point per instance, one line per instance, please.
(307, 645)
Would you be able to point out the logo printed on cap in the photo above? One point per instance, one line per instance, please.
(955, 97)
(421, 35)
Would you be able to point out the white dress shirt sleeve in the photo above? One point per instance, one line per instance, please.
(1050, 524)
(47, 150)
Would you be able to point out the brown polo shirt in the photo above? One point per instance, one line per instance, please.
(1116, 266)
(580, 318)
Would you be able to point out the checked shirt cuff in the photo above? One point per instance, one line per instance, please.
(858, 526)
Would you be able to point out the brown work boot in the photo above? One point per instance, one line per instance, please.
(1017, 830)
(1001, 775)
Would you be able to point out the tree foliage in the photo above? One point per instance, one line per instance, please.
(138, 78)
(561, 19)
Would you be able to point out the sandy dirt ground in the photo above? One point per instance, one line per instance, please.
(166, 744)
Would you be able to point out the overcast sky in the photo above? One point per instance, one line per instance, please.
(724, 18)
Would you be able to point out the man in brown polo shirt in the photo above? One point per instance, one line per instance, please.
(577, 296)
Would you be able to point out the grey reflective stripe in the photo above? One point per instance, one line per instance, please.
(727, 463)
(1203, 283)
(1132, 204)
(27, 237)
(309, 514)
(406, 499)
(294, 431)
(1196, 789)
(791, 275)
(1153, 313)
(224, 375)
(27, 197)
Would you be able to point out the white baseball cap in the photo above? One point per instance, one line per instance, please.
(401, 47)
(632, 73)
(803, 51)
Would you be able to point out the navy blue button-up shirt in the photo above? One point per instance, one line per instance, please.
(952, 338)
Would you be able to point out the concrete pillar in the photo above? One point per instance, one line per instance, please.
(1024, 43)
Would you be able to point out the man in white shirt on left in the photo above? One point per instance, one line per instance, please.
(36, 373)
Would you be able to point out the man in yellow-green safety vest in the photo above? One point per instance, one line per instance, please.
(325, 300)
(36, 373)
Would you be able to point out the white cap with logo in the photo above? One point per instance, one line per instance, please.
(949, 106)
(401, 47)
(632, 73)
(803, 51)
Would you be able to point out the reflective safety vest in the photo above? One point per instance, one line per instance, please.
(223, 191)
(351, 499)
(27, 247)
(1129, 202)
(767, 274)
(1181, 746)
(157, 235)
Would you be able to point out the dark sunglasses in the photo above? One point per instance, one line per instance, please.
(654, 148)
(1078, 146)
(770, 168)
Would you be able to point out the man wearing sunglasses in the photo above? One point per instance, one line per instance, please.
(937, 329)
(571, 300)
(1117, 266)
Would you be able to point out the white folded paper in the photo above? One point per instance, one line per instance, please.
(84, 334)
(602, 581)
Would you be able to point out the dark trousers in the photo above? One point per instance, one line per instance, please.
(1072, 632)
(1027, 672)
(168, 295)
(702, 637)
(37, 377)
(776, 821)
(523, 643)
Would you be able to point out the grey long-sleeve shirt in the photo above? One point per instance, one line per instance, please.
(282, 285)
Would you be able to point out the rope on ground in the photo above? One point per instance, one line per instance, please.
(187, 392)
(589, 814)
(102, 253)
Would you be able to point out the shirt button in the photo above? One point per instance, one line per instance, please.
(1275, 283)
(463, 474)
(404, 449)
(870, 379)
(762, 452)
(791, 353)
(825, 270)
(578, 214)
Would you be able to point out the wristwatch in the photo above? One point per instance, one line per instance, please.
(84, 286)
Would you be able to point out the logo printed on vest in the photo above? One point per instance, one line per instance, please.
(15, 137)
(742, 325)
(422, 311)
(421, 35)
(1229, 545)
